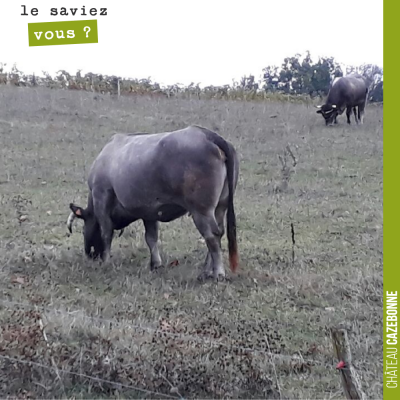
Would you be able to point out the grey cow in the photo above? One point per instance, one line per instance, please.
(161, 177)
(346, 93)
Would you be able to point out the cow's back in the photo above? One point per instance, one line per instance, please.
(349, 90)
(144, 168)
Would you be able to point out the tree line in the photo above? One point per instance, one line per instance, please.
(301, 75)
(298, 78)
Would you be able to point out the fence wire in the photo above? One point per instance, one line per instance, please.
(94, 378)
(144, 328)
(80, 313)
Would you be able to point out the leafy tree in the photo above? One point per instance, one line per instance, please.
(373, 75)
(271, 78)
(300, 75)
(248, 83)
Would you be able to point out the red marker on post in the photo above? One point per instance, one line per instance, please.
(341, 365)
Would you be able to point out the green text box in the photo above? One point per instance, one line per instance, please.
(62, 32)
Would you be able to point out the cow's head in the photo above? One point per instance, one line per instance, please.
(91, 231)
(329, 112)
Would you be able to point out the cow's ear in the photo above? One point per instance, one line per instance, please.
(319, 111)
(78, 211)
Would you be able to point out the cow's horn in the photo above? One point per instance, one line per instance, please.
(318, 106)
(333, 105)
(70, 220)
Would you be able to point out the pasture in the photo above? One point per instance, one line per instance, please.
(262, 334)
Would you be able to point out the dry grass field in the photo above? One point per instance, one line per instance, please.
(82, 330)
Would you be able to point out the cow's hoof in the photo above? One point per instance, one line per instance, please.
(155, 268)
(93, 256)
(220, 278)
(105, 259)
(205, 276)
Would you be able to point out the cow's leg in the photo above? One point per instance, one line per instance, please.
(220, 213)
(102, 203)
(348, 113)
(207, 268)
(219, 216)
(361, 113)
(355, 114)
(151, 236)
(208, 227)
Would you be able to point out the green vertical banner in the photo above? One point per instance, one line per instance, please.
(391, 200)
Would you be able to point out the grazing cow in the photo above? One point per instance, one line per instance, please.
(161, 177)
(347, 93)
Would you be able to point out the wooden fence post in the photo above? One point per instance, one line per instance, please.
(350, 379)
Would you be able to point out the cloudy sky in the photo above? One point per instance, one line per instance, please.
(207, 41)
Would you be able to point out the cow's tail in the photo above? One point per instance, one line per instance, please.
(230, 218)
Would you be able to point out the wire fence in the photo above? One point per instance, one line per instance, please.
(144, 328)
(94, 378)
(149, 329)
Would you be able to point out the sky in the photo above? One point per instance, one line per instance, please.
(210, 42)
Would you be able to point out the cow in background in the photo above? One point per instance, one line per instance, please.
(346, 93)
